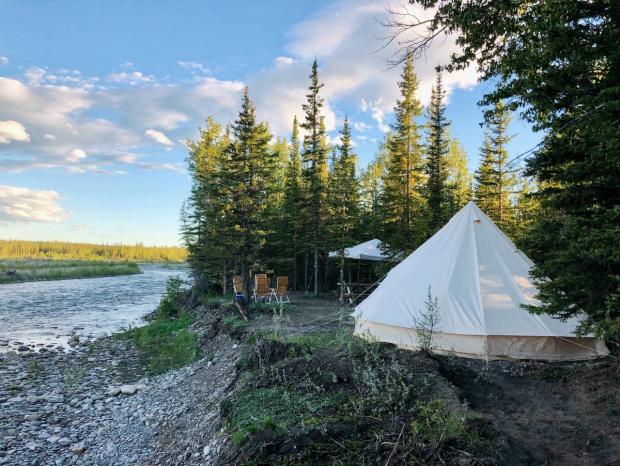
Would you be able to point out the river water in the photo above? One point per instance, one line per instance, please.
(46, 313)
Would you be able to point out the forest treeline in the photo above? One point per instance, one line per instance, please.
(19, 249)
(264, 204)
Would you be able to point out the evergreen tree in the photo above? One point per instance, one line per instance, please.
(486, 185)
(403, 205)
(495, 181)
(203, 210)
(436, 152)
(314, 172)
(344, 198)
(459, 181)
(370, 198)
(248, 181)
(292, 225)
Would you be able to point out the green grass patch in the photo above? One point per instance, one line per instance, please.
(258, 409)
(165, 344)
(233, 323)
(15, 271)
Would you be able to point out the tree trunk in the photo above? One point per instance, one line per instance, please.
(224, 280)
(246, 280)
(316, 272)
(306, 273)
(341, 277)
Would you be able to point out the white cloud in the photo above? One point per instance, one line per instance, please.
(4, 60)
(158, 137)
(75, 155)
(283, 61)
(131, 78)
(49, 137)
(193, 66)
(360, 126)
(28, 205)
(11, 130)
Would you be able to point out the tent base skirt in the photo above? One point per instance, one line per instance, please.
(492, 347)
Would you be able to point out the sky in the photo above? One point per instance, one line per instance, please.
(97, 100)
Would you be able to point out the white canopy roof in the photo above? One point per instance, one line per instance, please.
(369, 250)
(478, 276)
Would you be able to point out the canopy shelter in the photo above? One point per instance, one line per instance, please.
(366, 251)
(480, 280)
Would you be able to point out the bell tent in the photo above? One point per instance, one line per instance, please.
(480, 280)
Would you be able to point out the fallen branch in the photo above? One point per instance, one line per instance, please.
(241, 311)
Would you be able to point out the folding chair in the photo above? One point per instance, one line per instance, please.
(261, 288)
(280, 292)
(238, 288)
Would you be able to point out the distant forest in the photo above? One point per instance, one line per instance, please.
(16, 249)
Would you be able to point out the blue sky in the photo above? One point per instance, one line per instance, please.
(96, 99)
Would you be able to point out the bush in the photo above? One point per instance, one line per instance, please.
(170, 305)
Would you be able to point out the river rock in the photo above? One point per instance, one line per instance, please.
(54, 398)
(78, 448)
(113, 391)
(128, 389)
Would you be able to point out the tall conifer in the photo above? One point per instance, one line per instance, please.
(402, 201)
(314, 172)
(436, 152)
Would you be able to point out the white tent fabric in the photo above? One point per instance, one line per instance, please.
(369, 250)
(480, 281)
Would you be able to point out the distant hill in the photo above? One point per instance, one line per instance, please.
(18, 249)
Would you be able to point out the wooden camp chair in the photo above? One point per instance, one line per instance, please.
(261, 288)
(280, 292)
(238, 288)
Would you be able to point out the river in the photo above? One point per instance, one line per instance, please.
(46, 313)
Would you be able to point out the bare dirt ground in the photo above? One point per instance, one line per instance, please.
(552, 413)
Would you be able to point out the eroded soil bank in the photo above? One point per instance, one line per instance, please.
(297, 389)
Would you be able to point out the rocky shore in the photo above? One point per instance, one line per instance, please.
(96, 405)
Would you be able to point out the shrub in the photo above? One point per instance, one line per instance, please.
(170, 305)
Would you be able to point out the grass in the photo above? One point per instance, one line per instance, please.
(165, 344)
(15, 271)
(277, 408)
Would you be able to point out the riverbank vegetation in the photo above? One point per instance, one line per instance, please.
(166, 342)
(62, 250)
(15, 271)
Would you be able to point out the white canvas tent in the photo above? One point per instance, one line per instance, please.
(369, 251)
(480, 280)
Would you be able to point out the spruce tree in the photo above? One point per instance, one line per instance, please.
(486, 183)
(344, 198)
(436, 152)
(459, 182)
(495, 181)
(314, 172)
(204, 209)
(404, 210)
(292, 226)
(248, 178)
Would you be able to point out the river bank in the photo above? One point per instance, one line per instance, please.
(295, 388)
(30, 270)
